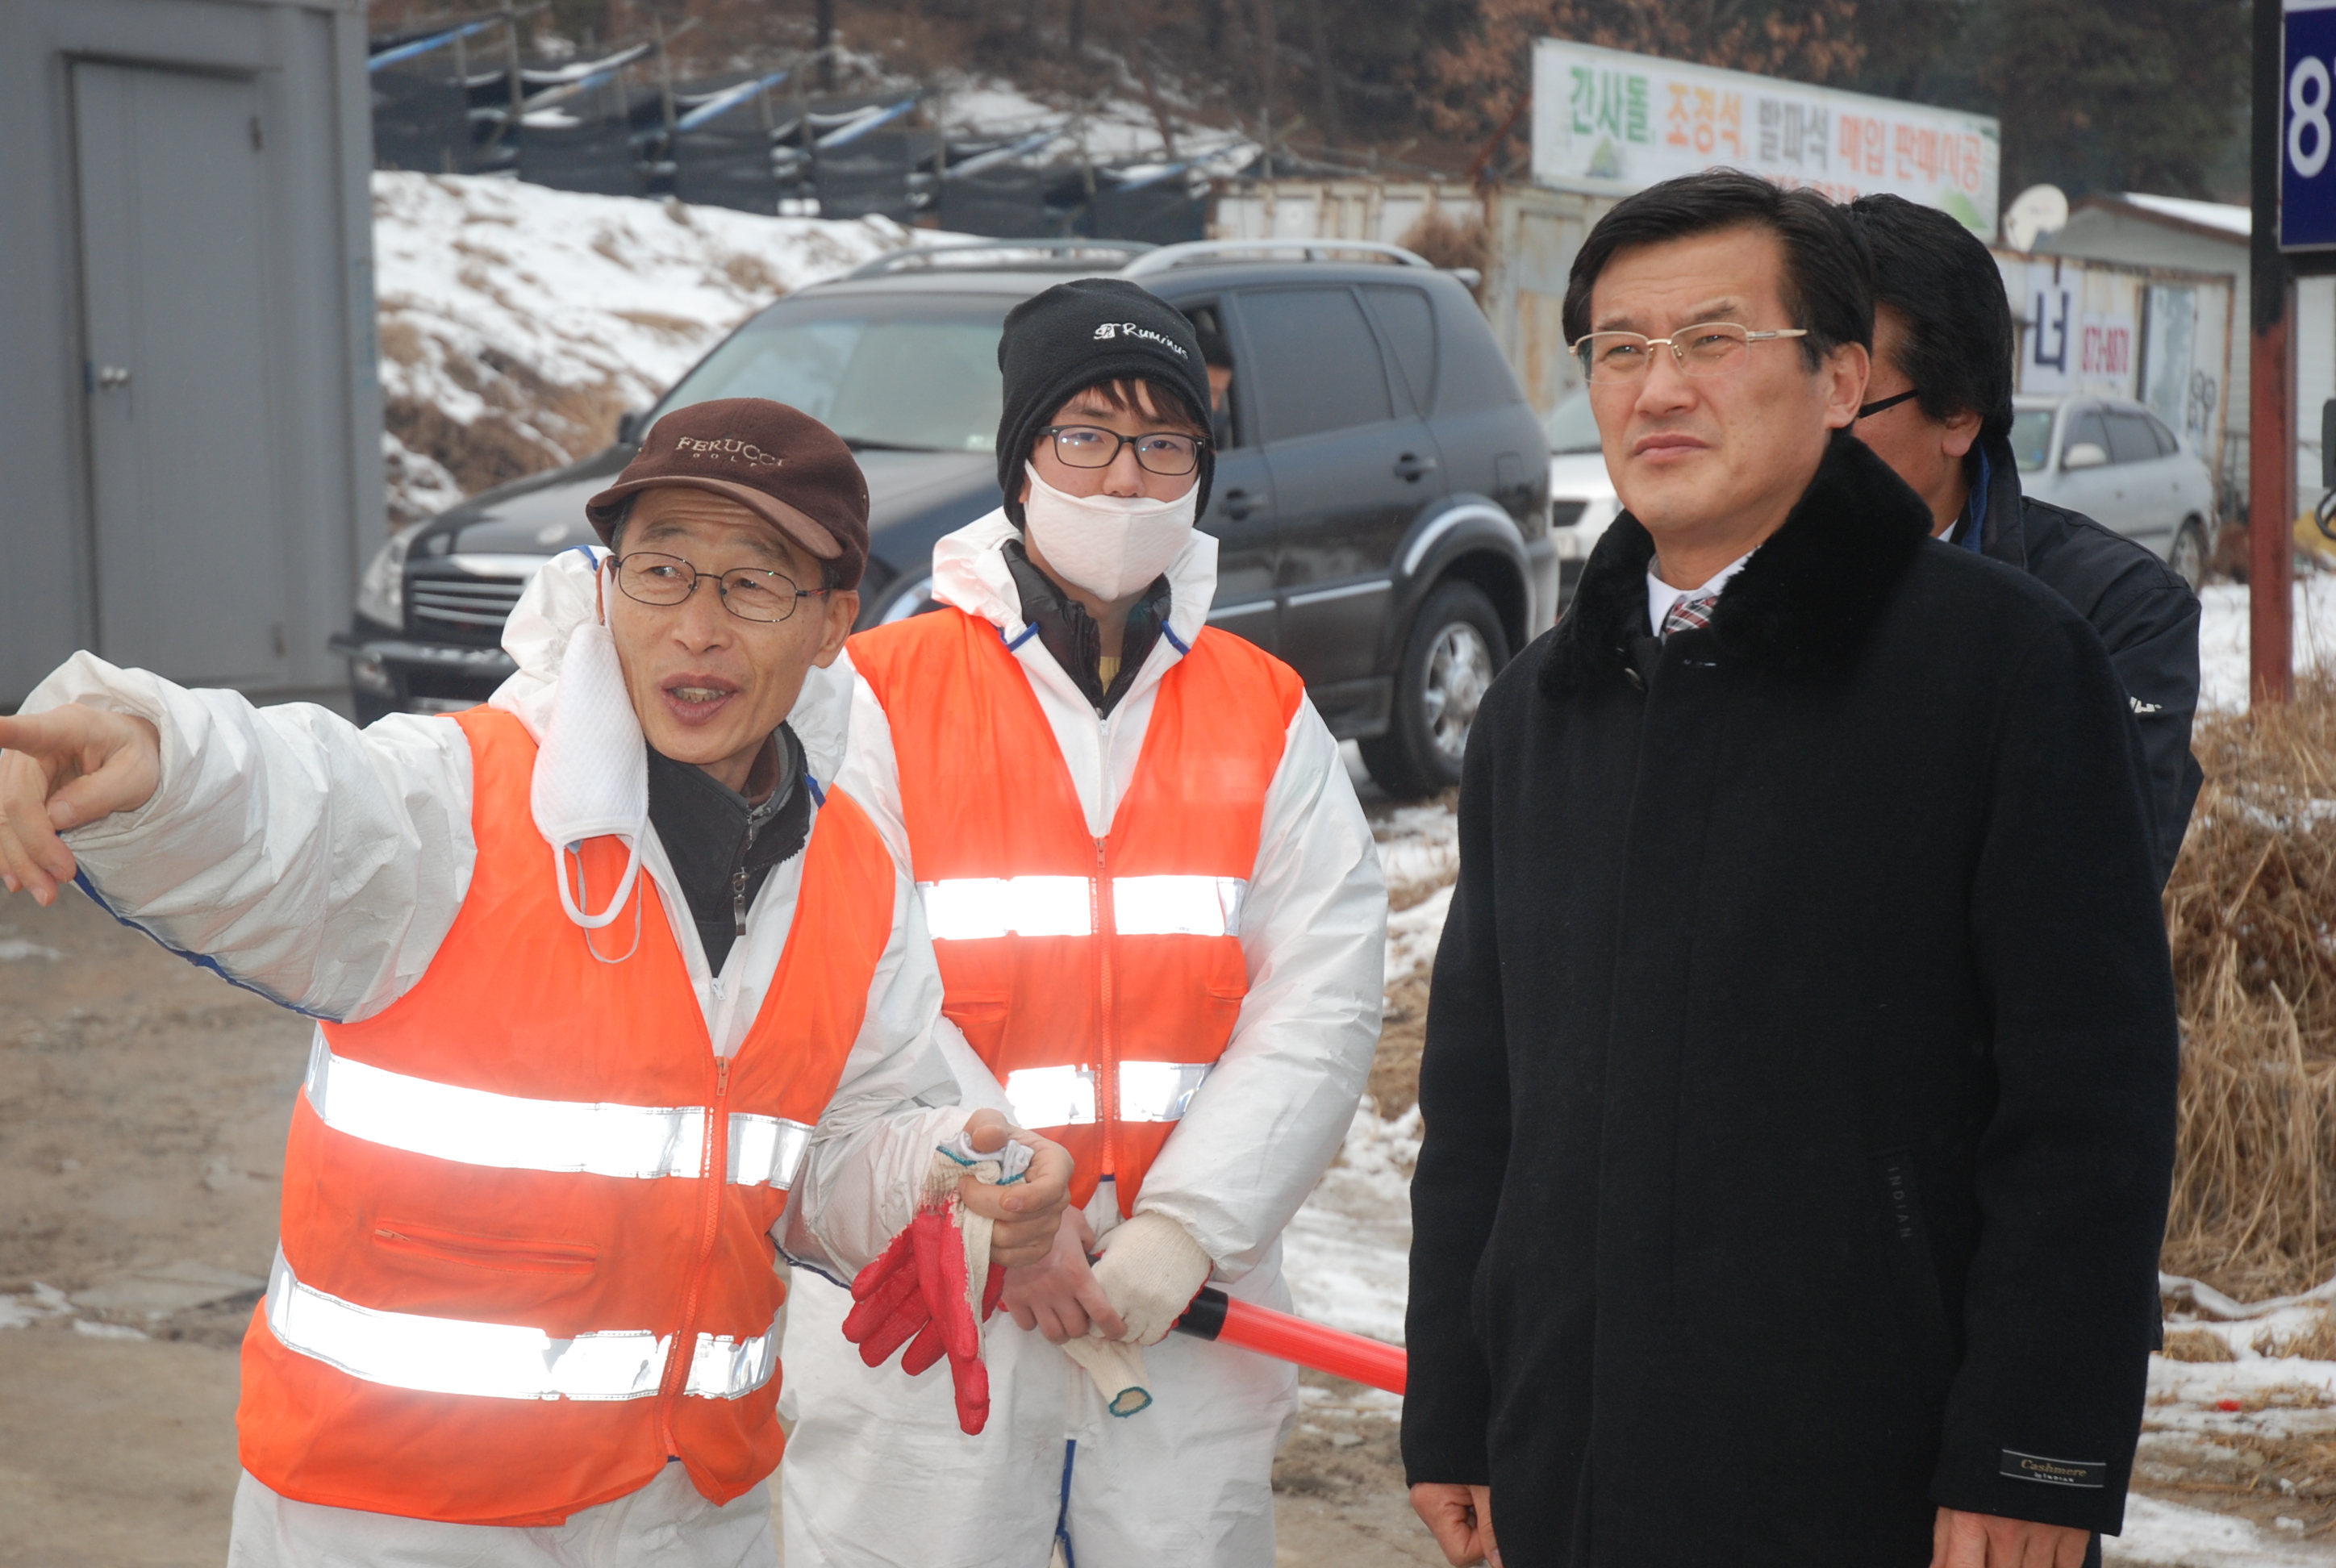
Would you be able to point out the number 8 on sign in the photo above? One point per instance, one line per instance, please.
(2308, 92)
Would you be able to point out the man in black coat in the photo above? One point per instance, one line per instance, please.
(1938, 411)
(1799, 1075)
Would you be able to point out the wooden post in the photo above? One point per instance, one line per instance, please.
(2270, 382)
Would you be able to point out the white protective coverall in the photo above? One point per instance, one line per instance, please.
(877, 1472)
(321, 865)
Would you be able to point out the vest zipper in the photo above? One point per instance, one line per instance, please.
(1108, 1069)
(714, 1175)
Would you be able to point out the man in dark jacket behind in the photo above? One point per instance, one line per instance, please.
(1938, 410)
(1799, 1076)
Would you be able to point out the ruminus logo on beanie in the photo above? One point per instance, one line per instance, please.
(1109, 330)
(729, 449)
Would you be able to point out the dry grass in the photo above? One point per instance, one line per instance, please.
(2249, 914)
(2198, 1345)
(2315, 1343)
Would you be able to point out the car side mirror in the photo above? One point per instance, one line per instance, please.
(2085, 454)
(631, 425)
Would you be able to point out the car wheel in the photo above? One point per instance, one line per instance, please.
(912, 598)
(1455, 648)
(2188, 555)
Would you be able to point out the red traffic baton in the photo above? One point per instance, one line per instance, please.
(1213, 1315)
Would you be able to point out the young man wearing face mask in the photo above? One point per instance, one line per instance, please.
(1160, 922)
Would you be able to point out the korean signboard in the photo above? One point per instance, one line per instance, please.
(2307, 180)
(1609, 123)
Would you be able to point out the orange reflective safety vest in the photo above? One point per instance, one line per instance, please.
(1098, 978)
(526, 1251)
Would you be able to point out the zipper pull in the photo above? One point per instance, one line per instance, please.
(721, 1077)
(738, 897)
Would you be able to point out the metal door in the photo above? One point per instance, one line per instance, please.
(190, 551)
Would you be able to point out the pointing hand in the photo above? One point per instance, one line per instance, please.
(60, 770)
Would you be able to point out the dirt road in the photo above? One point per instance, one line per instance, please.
(142, 1111)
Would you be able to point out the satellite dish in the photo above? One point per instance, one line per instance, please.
(2038, 211)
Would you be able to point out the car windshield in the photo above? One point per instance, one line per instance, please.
(912, 379)
(2032, 438)
(1570, 426)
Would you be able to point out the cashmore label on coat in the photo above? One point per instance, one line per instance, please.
(2089, 1474)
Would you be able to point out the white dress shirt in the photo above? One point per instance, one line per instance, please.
(1662, 596)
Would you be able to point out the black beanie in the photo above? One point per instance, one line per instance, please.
(1079, 334)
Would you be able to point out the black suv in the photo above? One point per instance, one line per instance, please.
(1381, 501)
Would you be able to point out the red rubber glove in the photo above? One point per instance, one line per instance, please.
(918, 1294)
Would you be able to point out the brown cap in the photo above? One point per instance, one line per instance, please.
(779, 462)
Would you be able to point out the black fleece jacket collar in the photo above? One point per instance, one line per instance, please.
(1807, 598)
(1069, 633)
(722, 846)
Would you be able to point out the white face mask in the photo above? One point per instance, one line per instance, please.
(1113, 546)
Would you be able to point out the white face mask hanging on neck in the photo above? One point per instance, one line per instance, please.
(1113, 546)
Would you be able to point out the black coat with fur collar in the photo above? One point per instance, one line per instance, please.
(1800, 1066)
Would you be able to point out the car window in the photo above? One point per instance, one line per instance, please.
(916, 381)
(2167, 446)
(2032, 438)
(2130, 440)
(2084, 427)
(1571, 428)
(1407, 317)
(1226, 394)
(1317, 364)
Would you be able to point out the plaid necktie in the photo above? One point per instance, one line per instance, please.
(1692, 613)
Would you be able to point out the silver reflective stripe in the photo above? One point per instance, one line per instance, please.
(507, 1131)
(1177, 906)
(1065, 1096)
(969, 908)
(1158, 1091)
(1052, 1096)
(728, 1369)
(766, 1151)
(501, 1360)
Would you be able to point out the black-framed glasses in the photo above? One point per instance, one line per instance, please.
(748, 592)
(1167, 453)
(1709, 349)
(1882, 404)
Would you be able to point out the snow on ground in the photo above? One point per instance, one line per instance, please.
(1346, 1254)
(551, 311)
(2170, 1536)
(2223, 636)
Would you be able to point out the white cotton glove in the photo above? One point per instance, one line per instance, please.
(1151, 1268)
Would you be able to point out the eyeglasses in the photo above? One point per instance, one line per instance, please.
(1711, 348)
(1882, 404)
(748, 592)
(1161, 451)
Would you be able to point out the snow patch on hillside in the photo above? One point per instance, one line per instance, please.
(518, 322)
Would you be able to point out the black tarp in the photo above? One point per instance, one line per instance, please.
(1005, 203)
(421, 119)
(866, 176)
(595, 157)
(1166, 213)
(725, 169)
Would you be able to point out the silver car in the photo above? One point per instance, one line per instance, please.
(2116, 463)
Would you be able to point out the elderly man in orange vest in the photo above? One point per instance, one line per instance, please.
(1161, 920)
(614, 1001)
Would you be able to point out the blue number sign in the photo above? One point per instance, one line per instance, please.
(2307, 176)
